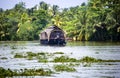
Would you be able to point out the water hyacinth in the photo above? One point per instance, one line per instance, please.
(4, 58)
(64, 59)
(58, 53)
(18, 55)
(63, 67)
(89, 59)
(24, 72)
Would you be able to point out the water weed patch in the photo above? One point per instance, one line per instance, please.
(24, 72)
(62, 67)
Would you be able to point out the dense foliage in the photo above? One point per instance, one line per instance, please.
(98, 20)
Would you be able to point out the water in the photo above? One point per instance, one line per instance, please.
(99, 50)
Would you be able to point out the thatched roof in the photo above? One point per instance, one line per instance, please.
(50, 29)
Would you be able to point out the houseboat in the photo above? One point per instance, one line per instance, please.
(53, 35)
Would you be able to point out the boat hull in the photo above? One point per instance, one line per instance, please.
(53, 42)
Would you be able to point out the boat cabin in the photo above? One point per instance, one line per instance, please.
(52, 35)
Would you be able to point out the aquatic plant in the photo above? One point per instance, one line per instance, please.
(74, 64)
(44, 60)
(36, 72)
(89, 59)
(12, 52)
(58, 53)
(18, 55)
(63, 67)
(96, 52)
(110, 60)
(13, 47)
(42, 53)
(4, 58)
(31, 54)
(5, 45)
(43, 57)
(64, 59)
(88, 64)
(29, 58)
(24, 72)
(6, 72)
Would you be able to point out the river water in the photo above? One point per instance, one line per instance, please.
(98, 50)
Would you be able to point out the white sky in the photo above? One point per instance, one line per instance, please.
(8, 4)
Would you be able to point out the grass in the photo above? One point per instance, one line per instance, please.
(24, 72)
(67, 68)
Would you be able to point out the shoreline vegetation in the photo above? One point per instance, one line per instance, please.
(96, 20)
(62, 63)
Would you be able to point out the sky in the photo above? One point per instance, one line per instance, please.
(8, 4)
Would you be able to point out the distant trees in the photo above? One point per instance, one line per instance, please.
(98, 20)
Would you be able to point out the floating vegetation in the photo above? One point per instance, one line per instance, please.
(24, 72)
(42, 53)
(90, 59)
(74, 64)
(87, 64)
(58, 53)
(31, 54)
(12, 52)
(64, 59)
(96, 52)
(43, 60)
(29, 58)
(110, 60)
(4, 58)
(43, 57)
(5, 45)
(13, 47)
(18, 55)
(63, 67)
